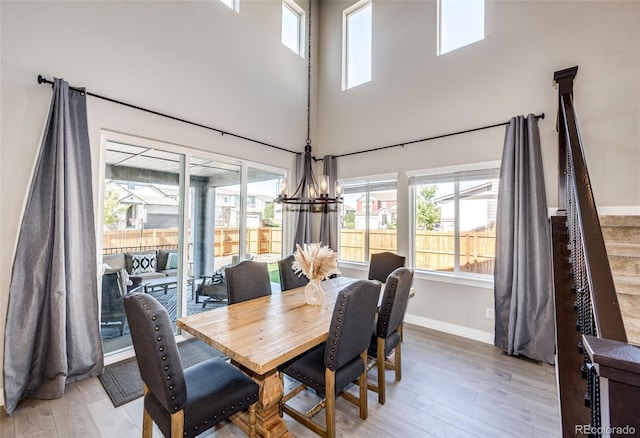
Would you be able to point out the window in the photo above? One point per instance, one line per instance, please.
(233, 4)
(460, 23)
(454, 216)
(367, 219)
(357, 45)
(172, 215)
(292, 26)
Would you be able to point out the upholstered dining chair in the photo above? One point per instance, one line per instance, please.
(387, 333)
(384, 263)
(247, 280)
(182, 402)
(288, 278)
(332, 367)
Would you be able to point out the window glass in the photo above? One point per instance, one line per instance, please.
(141, 234)
(368, 220)
(455, 221)
(292, 19)
(461, 22)
(173, 220)
(358, 45)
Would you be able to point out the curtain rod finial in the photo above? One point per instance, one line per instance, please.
(41, 79)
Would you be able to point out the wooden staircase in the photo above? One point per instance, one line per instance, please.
(622, 238)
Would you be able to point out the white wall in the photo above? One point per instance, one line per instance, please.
(196, 60)
(415, 94)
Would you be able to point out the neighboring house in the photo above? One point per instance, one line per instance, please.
(228, 208)
(477, 207)
(382, 211)
(154, 206)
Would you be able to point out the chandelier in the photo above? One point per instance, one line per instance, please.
(309, 191)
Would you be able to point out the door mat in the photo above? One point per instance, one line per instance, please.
(122, 380)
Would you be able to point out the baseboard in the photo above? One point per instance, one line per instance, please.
(452, 329)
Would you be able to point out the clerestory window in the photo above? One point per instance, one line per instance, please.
(460, 23)
(357, 44)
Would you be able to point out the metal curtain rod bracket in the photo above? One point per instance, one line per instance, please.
(403, 144)
(43, 80)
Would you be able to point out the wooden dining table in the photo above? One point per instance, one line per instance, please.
(261, 334)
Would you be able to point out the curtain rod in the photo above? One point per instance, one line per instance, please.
(539, 116)
(43, 80)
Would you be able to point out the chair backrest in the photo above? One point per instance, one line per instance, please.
(351, 323)
(394, 301)
(112, 294)
(156, 350)
(384, 263)
(288, 278)
(247, 280)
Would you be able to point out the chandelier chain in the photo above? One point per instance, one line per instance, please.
(309, 77)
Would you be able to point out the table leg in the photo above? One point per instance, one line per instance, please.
(269, 424)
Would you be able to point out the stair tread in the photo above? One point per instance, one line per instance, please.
(628, 279)
(620, 221)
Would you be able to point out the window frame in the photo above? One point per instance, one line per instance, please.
(365, 182)
(346, 14)
(186, 153)
(296, 10)
(459, 277)
(234, 5)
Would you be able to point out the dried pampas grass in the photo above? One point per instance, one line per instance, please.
(315, 262)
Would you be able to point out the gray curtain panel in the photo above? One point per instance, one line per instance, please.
(524, 323)
(52, 334)
(303, 214)
(329, 219)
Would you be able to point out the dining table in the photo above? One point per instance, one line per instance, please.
(261, 334)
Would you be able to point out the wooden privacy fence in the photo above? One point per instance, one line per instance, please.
(260, 240)
(435, 250)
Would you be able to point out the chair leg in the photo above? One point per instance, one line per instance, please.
(398, 362)
(381, 367)
(147, 422)
(147, 425)
(330, 393)
(252, 420)
(177, 424)
(364, 408)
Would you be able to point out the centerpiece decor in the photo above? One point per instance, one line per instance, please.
(317, 263)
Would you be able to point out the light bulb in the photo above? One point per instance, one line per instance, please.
(324, 184)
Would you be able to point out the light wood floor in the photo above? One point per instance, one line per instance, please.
(450, 387)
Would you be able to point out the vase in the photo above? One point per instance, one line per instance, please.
(313, 293)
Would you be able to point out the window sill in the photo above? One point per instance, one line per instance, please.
(444, 277)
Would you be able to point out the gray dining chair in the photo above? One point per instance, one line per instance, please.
(387, 333)
(331, 368)
(384, 263)
(182, 402)
(247, 280)
(288, 278)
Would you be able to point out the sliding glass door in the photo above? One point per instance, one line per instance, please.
(173, 219)
(141, 240)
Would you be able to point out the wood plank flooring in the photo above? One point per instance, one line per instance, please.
(451, 387)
